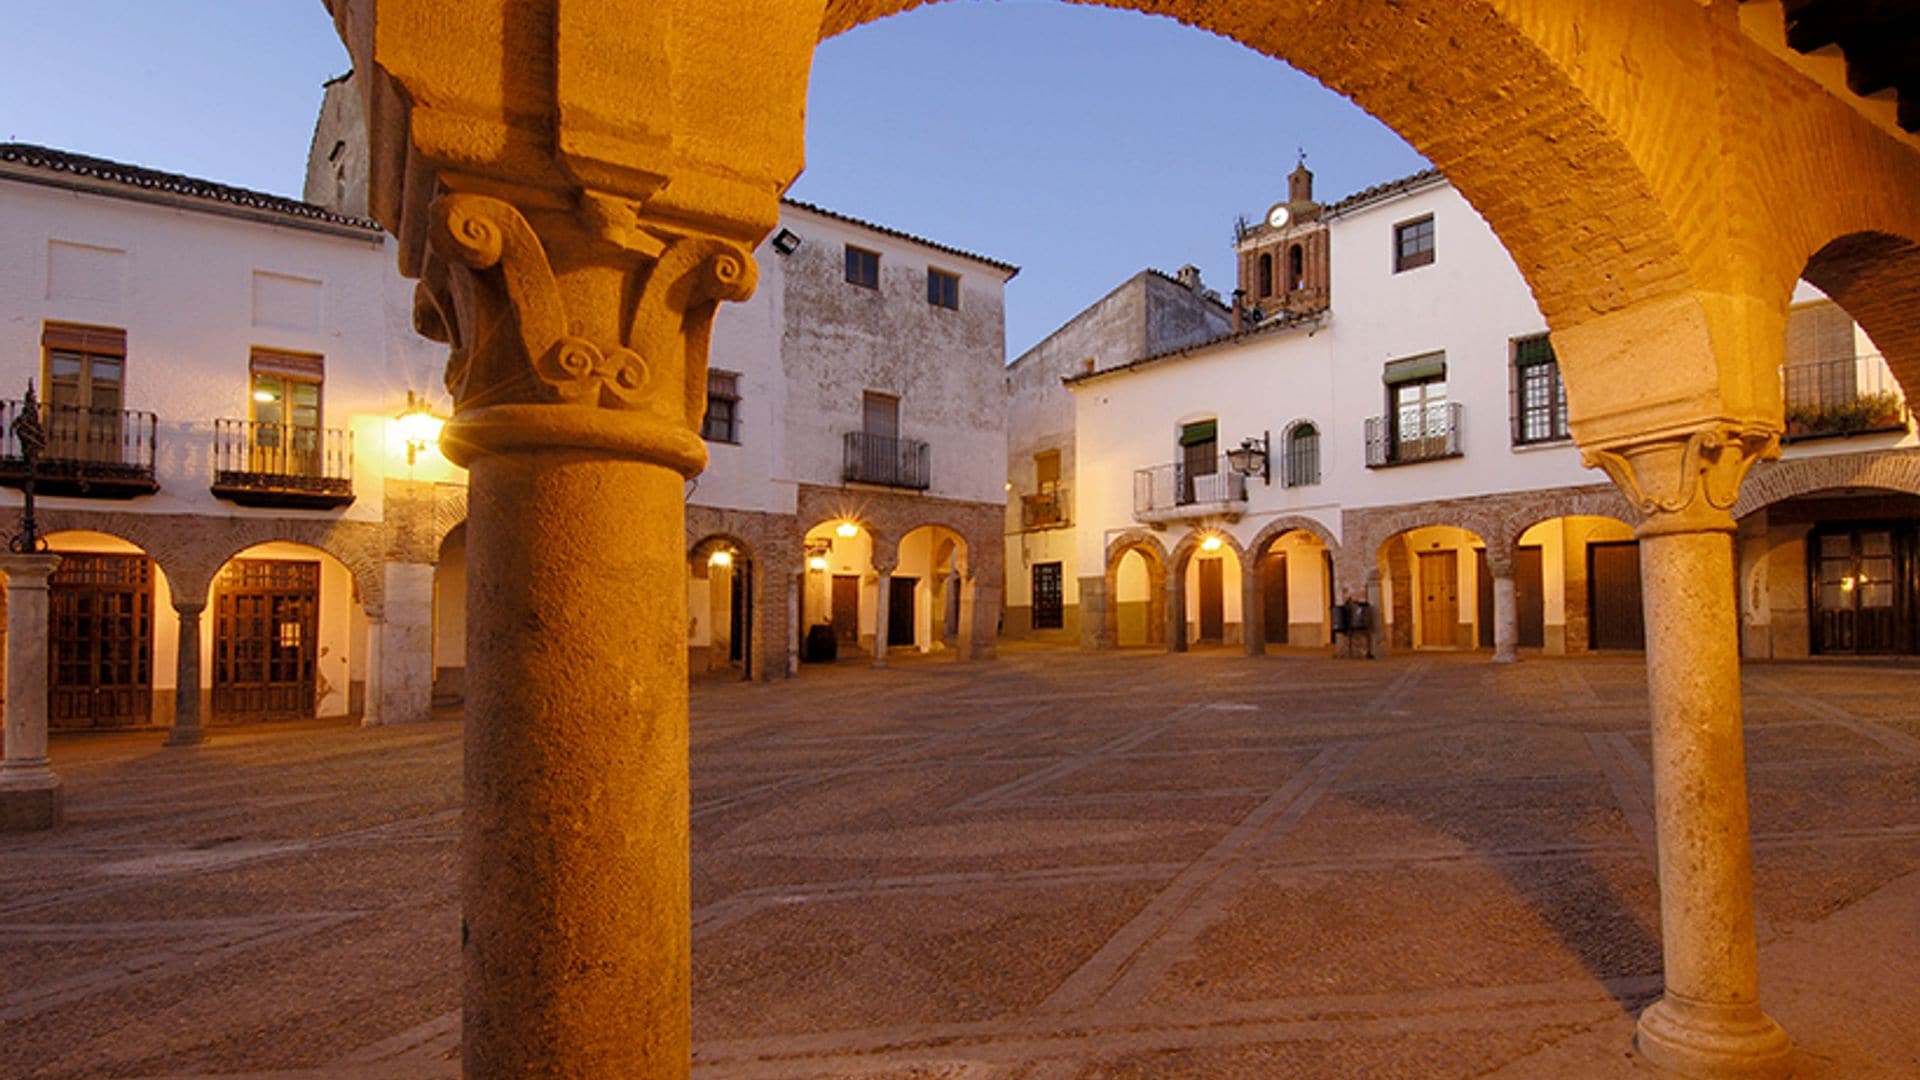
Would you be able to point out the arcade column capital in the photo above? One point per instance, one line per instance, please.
(1685, 480)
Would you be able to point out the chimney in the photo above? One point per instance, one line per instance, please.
(1086, 365)
(1239, 297)
(1190, 277)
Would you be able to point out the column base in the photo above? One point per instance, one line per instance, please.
(186, 736)
(1694, 1039)
(1506, 657)
(30, 802)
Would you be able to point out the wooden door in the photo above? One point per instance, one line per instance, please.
(740, 615)
(1439, 598)
(900, 626)
(846, 608)
(100, 666)
(1483, 598)
(1530, 596)
(1213, 605)
(1863, 592)
(1614, 620)
(266, 620)
(1273, 593)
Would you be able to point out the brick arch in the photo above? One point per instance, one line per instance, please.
(1772, 482)
(1155, 554)
(1600, 500)
(1184, 550)
(449, 512)
(959, 533)
(708, 541)
(363, 561)
(1874, 276)
(1280, 526)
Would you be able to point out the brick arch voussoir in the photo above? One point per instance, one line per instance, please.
(1183, 551)
(1773, 482)
(174, 549)
(1599, 500)
(1513, 125)
(1281, 526)
(1142, 541)
(357, 546)
(1874, 277)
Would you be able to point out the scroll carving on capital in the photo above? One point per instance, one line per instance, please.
(591, 309)
(1686, 481)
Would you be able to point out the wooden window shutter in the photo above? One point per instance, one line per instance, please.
(97, 340)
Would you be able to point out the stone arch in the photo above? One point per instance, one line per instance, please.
(1367, 531)
(363, 561)
(712, 541)
(449, 511)
(1874, 277)
(1390, 562)
(1597, 501)
(1253, 598)
(171, 549)
(1772, 482)
(1286, 523)
(1154, 554)
(1177, 560)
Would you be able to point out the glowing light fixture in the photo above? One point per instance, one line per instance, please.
(723, 557)
(265, 396)
(817, 562)
(846, 528)
(418, 426)
(1211, 543)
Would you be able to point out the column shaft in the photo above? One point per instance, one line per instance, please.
(882, 615)
(30, 796)
(1709, 1021)
(187, 730)
(575, 831)
(370, 695)
(1176, 613)
(1253, 609)
(1506, 620)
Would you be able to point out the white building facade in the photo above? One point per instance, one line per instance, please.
(1399, 426)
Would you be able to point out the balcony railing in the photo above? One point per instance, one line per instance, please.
(97, 453)
(265, 464)
(1178, 491)
(1852, 395)
(1045, 510)
(885, 459)
(1426, 434)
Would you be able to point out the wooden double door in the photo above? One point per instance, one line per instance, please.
(100, 663)
(265, 628)
(1865, 582)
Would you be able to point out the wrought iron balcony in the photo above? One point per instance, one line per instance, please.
(885, 459)
(1178, 491)
(1044, 510)
(1852, 395)
(265, 464)
(1426, 434)
(92, 453)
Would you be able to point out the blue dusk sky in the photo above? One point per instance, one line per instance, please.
(1080, 143)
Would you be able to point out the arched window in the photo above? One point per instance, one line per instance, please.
(1303, 455)
(1266, 274)
(1296, 268)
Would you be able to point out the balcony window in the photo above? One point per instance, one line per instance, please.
(1420, 423)
(722, 420)
(1302, 450)
(1539, 394)
(1850, 395)
(281, 454)
(94, 448)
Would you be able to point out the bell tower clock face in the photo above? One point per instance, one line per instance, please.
(1279, 216)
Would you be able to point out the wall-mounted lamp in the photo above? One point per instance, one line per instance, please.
(846, 529)
(817, 554)
(1251, 456)
(786, 242)
(418, 426)
(723, 557)
(1211, 543)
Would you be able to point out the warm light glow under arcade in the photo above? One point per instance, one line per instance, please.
(817, 562)
(723, 557)
(847, 529)
(1211, 543)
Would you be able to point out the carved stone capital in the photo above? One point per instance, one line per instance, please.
(1686, 480)
(581, 328)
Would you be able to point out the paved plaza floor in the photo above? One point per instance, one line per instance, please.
(1050, 865)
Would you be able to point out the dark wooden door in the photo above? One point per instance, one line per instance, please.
(1273, 594)
(1863, 590)
(1530, 596)
(100, 666)
(846, 608)
(1483, 600)
(900, 611)
(1049, 609)
(1213, 609)
(265, 625)
(1614, 620)
(1439, 598)
(740, 614)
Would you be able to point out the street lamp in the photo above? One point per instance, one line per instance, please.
(31, 437)
(1251, 457)
(419, 427)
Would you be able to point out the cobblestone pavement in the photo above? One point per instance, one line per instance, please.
(1050, 865)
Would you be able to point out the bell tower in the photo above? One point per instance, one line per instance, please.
(1283, 259)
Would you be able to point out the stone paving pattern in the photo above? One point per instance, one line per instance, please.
(1052, 865)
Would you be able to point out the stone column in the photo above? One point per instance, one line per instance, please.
(979, 615)
(1253, 608)
(882, 613)
(579, 380)
(1176, 611)
(1378, 638)
(406, 644)
(1709, 1022)
(1096, 628)
(186, 730)
(1506, 612)
(370, 695)
(30, 796)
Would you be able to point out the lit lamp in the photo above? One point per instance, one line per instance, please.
(1250, 457)
(846, 529)
(418, 426)
(723, 557)
(817, 554)
(1211, 543)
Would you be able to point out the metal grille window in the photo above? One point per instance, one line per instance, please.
(1303, 455)
(943, 289)
(863, 267)
(1048, 607)
(722, 421)
(1540, 397)
(1413, 243)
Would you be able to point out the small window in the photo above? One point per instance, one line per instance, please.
(1049, 610)
(1266, 274)
(863, 267)
(1413, 243)
(722, 422)
(1303, 455)
(1046, 471)
(943, 289)
(880, 415)
(1539, 394)
(1296, 268)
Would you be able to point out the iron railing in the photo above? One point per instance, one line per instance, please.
(1044, 510)
(260, 462)
(885, 459)
(1167, 490)
(1846, 396)
(1427, 433)
(104, 452)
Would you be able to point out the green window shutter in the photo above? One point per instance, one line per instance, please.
(1414, 369)
(1195, 434)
